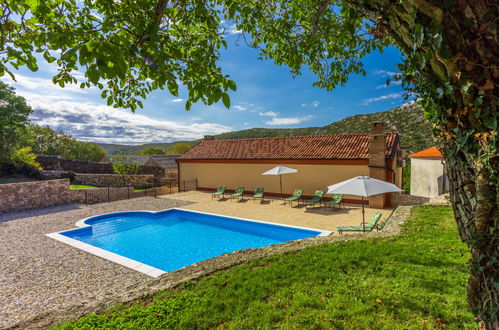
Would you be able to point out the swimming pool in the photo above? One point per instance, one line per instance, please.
(159, 242)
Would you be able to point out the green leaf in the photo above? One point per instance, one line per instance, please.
(232, 85)
(173, 87)
(226, 100)
(418, 34)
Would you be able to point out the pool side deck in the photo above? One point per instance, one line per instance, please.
(272, 210)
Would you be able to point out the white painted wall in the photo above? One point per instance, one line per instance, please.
(427, 177)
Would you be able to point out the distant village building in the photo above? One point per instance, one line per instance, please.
(428, 177)
(321, 160)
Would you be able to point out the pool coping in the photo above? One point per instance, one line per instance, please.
(139, 266)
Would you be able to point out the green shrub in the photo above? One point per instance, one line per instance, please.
(24, 156)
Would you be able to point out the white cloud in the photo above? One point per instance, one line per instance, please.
(287, 120)
(384, 73)
(239, 107)
(392, 83)
(314, 104)
(269, 114)
(62, 109)
(380, 98)
(234, 30)
(177, 100)
(277, 121)
(43, 85)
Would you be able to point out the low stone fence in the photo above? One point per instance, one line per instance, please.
(106, 180)
(29, 195)
(405, 199)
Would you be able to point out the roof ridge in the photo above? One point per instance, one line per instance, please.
(295, 136)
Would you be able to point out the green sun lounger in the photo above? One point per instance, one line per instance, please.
(336, 200)
(258, 193)
(238, 193)
(220, 192)
(369, 227)
(296, 197)
(317, 198)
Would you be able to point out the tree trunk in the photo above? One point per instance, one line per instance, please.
(456, 79)
(473, 198)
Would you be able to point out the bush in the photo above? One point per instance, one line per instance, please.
(24, 156)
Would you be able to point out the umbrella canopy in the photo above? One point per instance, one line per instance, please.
(279, 170)
(363, 186)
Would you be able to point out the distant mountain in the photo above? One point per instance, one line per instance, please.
(407, 119)
(112, 149)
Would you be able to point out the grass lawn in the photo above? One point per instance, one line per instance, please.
(413, 281)
(81, 186)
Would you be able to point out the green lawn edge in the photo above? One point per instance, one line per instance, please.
(415, 280)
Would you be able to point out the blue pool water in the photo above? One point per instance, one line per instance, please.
(172, 239)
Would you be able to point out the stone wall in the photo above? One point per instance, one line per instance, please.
(78, 166)
(404, 199)
(56, 163)
(29, 195)
(106, 180)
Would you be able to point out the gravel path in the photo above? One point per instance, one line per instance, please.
(39, 274)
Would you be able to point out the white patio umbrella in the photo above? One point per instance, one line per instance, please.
(362, 186)
(279, 170)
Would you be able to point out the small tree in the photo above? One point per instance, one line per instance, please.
(124, 165)
(179, 148)
(151, 151)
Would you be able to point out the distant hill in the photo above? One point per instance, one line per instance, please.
(112, 149)
(407, 119)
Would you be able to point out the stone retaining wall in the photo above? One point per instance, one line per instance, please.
(29, 195)
(404, 199)
(106, 180)
(57, 163)
(80, 166)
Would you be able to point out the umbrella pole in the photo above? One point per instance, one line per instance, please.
(280, 183)
(363, 217)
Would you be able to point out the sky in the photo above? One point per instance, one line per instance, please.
(267, 96)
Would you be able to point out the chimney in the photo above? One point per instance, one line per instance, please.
(208, 137)
(377, 160)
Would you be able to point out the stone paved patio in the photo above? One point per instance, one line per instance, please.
(43, 281)
(272, 210)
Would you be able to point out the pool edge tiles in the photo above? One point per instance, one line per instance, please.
(107, 255)
(139, 266)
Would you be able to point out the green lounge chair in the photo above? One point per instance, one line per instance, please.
(317, 198)
(369, 227)
(238, 193)
(220, 192)
(336, 200)
(296, 197)
(258, 193)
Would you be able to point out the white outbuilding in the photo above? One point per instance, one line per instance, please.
(428, 177)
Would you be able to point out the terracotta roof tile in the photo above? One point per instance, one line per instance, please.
(430, 152)
(331, 146)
